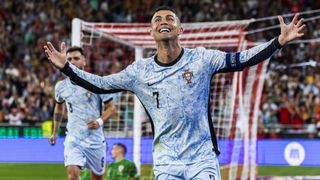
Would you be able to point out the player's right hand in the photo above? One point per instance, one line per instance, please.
(52, 139)
(93, 124)
(58, 59)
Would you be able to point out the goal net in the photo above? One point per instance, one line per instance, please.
(234, 97)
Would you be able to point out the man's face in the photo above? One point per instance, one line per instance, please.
(76, 58)
(165, 26)
(116, 151)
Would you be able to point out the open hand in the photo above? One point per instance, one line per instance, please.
(290, 31)
(58, 59)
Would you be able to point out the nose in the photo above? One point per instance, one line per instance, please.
(164, 22)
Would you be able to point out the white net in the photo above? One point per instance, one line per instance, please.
(234, 96)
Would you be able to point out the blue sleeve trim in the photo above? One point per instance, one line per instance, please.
(233, 62)
(67, 70)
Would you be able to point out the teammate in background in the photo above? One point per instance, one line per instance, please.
(85, 142)
(174, 87)
(121, 169)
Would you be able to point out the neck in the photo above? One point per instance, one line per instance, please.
(119, 159)
(168, 51)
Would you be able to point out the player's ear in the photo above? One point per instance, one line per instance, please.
(180, 30)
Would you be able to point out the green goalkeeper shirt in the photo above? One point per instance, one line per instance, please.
(122, 170)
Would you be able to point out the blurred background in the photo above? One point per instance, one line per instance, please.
(290, 102)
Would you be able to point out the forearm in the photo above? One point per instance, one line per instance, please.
(91, 82)
(238, 61)
(260, 53)
(56, 126)
(109, 111)
(58, 116)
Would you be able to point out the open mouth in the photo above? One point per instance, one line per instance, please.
(164, 30)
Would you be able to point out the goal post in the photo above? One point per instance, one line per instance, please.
(234, 97)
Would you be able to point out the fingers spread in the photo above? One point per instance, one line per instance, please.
(47, 52)
(280, 18)
(62, 47)
(50, 47)
(300, 22)
(295, 18)
(301, 28)
(300, 34)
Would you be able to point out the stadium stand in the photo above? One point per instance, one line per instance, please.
(291, 100)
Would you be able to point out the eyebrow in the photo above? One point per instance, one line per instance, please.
(158, 16)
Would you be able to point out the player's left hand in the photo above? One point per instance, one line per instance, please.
(93, 124)
(57, 58)
(291, 31)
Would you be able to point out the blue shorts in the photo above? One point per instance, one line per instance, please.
(91, 158)
(204, 170)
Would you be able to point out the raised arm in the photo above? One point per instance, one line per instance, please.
(226, 62)
(124, 80)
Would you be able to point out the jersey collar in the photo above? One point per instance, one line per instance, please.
(171, 63)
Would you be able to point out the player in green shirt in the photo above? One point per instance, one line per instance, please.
(121, 169)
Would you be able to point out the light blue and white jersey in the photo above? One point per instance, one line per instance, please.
(176, 96)
(82, 106)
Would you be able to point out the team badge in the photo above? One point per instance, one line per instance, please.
(89, 94)
(187, 75)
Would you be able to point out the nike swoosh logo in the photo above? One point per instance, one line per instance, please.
(150, 84)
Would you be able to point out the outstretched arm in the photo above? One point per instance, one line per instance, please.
(124, 80)
(226, 62)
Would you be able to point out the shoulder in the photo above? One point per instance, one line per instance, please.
(60, 84)
(144, 62)
(195, 50)
(141, 65)
(129, 162)
(198, 51)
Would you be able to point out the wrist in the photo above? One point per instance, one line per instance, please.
(281, 40)
(100, 121)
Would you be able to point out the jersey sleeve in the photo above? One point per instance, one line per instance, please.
(106, 97)
(220, 61)
(57, 93)
(124, 80)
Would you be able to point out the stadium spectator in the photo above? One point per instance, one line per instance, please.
(25, 26)
(15, 117)
(269, 115)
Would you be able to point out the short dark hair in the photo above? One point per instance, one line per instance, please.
(168, 9)
(122, 146)
(75, 48)
(165, 8)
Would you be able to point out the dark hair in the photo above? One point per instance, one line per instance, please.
(165, 8)
(122, 146)
(75, 48)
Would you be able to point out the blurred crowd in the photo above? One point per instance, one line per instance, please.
(291, 99)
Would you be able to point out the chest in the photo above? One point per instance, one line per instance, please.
(73, 93)
(172, 87)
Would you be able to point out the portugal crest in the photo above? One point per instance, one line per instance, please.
(187, 75)
(89, 94)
